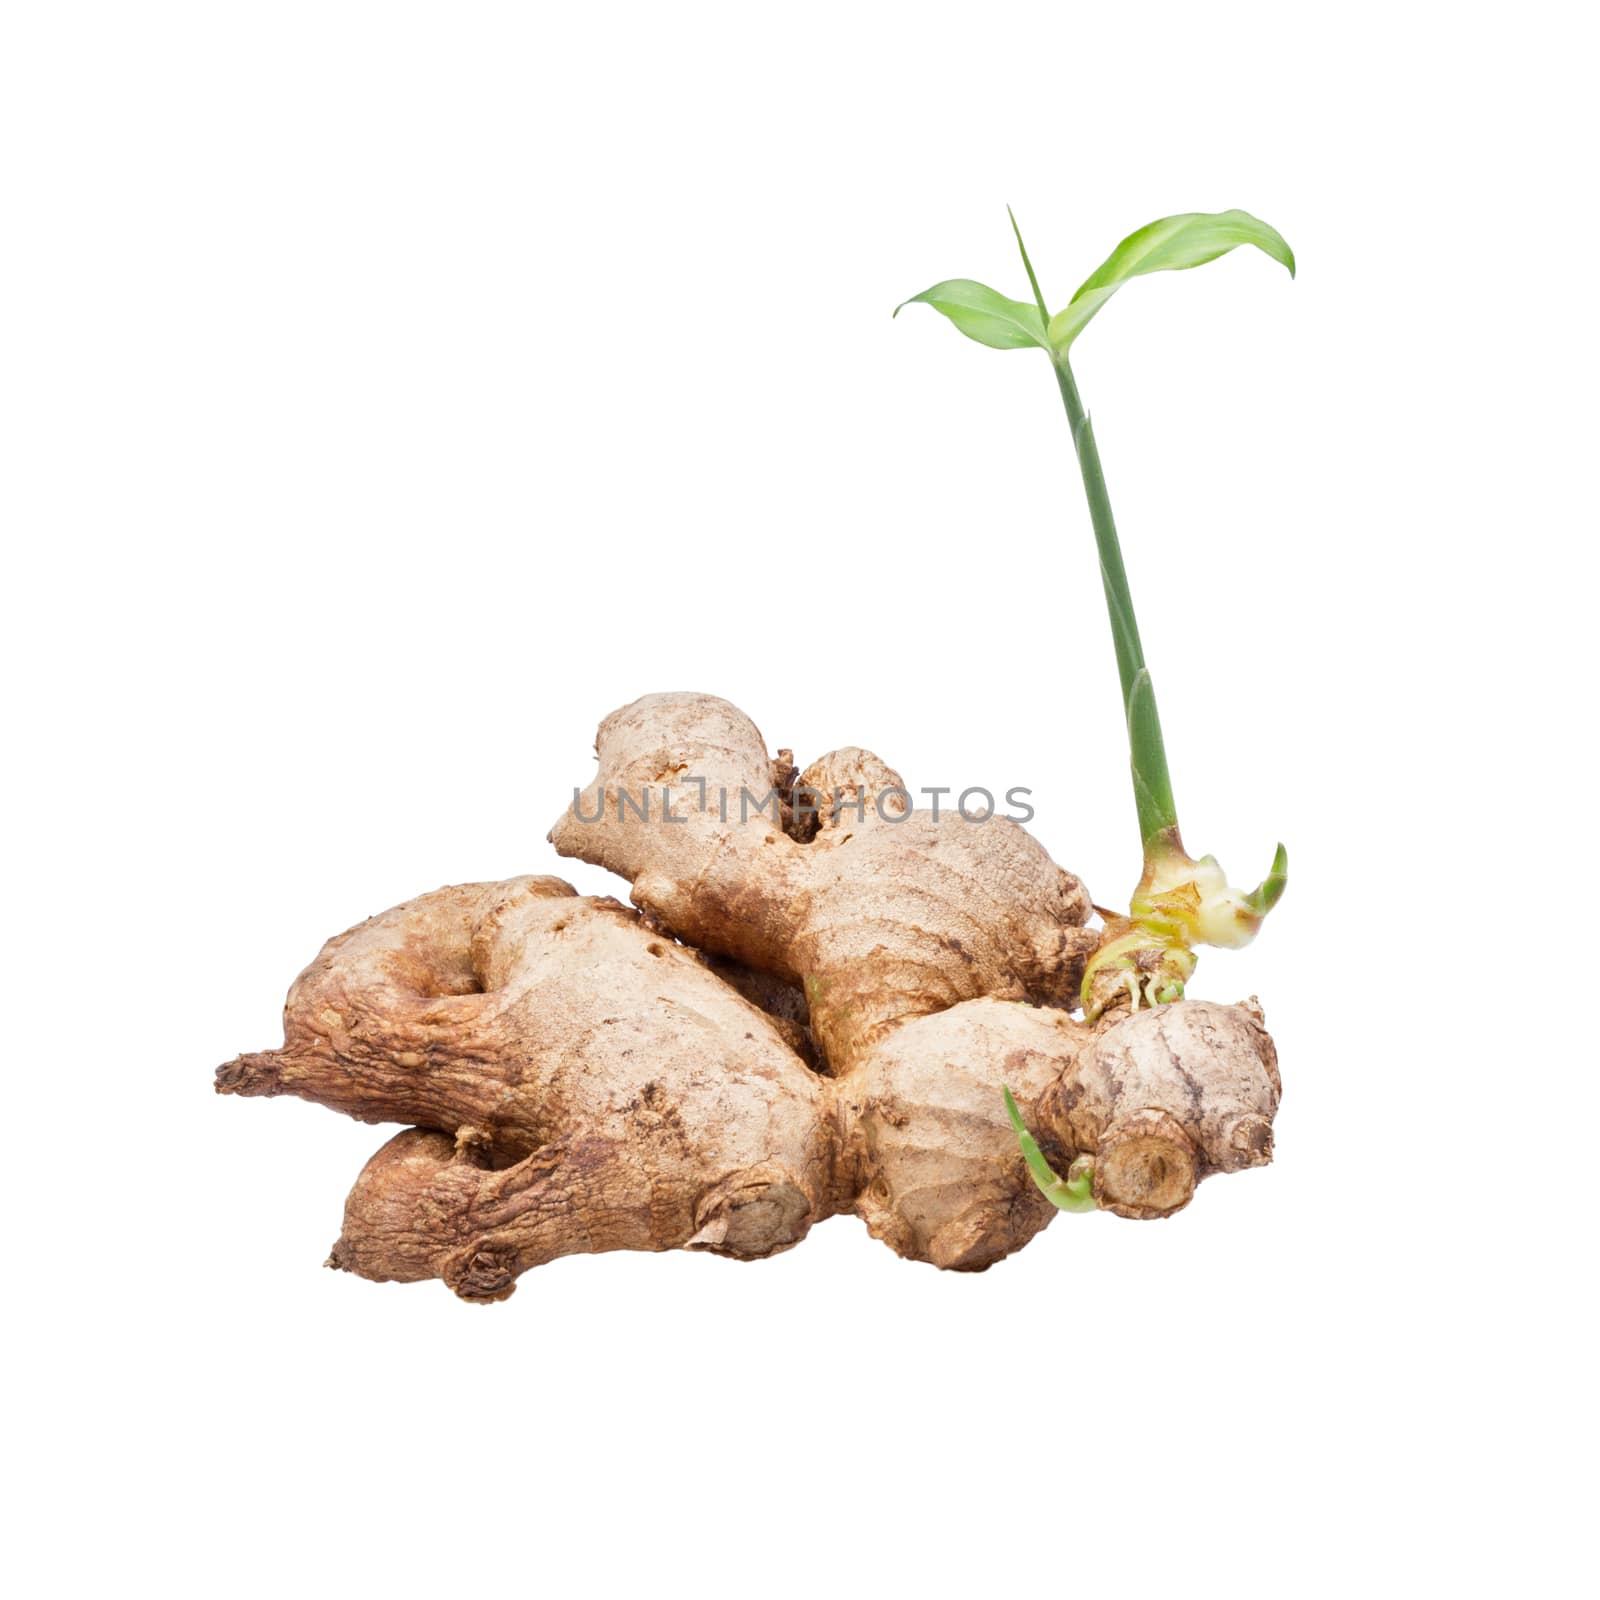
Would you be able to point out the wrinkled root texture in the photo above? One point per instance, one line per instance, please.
(807, 1015)
(880, 912)
(584, 1085)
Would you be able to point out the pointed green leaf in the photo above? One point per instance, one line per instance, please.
(1152, 786)
(984, 314)
(1171, 245)
(1027, 266)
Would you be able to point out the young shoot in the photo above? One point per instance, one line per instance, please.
(1071, 1193)
(1180, 903)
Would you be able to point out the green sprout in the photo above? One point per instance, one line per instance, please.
(1180, 902)
(1075, 1192)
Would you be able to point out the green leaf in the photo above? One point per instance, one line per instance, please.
(1027, 266)
(1152, 787)
(984, 314)
(1173, 244)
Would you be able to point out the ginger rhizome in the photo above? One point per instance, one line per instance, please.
(797, 1022)
(838, 1005)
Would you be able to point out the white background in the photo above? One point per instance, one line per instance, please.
(390, 391)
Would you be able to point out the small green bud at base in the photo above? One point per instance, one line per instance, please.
(1148, 956)
(1075, 1192)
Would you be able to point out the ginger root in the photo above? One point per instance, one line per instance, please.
(579, 1080)
(885, 914)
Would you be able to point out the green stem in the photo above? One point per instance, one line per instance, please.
(1113, 574)
(1152, 785)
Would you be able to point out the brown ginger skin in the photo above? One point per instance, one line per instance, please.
(886, 916)
(585, 1085)
(865, 982)
(1162, 1098)
(594, 1085)
(1159, 1100)
(883, 915)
